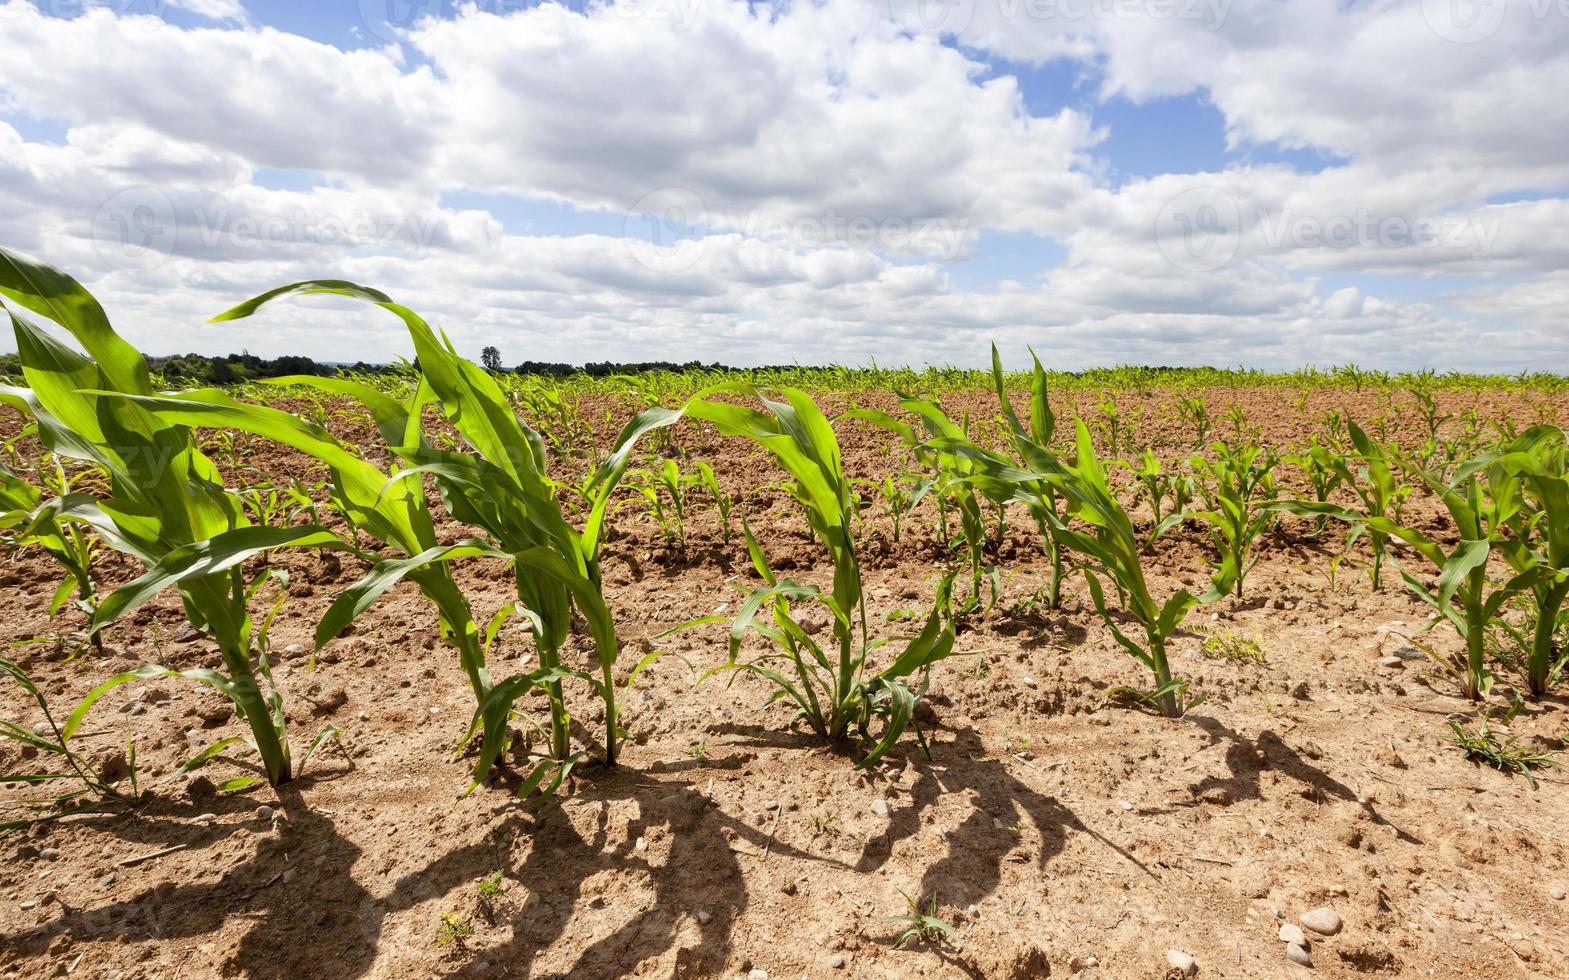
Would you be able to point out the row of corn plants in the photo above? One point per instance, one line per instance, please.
(131, 471)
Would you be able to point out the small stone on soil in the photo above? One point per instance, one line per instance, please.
(1324, 921)
(880, 807)
(1290, 933)
(836, 961)
(1298, 954)
(1183, 963)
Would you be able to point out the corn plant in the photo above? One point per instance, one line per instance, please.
(922, 923)
(1243, 429)
(1155, 483)
(1237, 486)
(1111, 548)
(72, 545)
(1196, 412)
(76, 785)
(723, 501)
(948, 481)
(1325, 472)
(834, 687)
(166, 506)
(1042, 499)
(1539, 542)
(1483, 500)
(1370, 475)
(897, 496)
(495, 480)
(664, 491)
(1109, 421)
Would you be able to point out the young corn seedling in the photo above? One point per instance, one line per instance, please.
(166, 506)
(1482, 499)
(664, 492)
(833, 686)
(1109, 422)
(922, 924)
(1238, 486)
(1539, 542)
(1196, 412)
(1042, 499)
(722, 500)
(72, 545)
(77, 786)
(1110, 549)
(1156, 484)
(1370, 475)
(494, 479)
(1243, 430)
(1325, 472)
(949, 483)
(897, 496)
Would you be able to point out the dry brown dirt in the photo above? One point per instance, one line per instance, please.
(1060, 836)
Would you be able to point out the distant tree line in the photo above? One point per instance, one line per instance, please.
(602, 369)
(245, 366)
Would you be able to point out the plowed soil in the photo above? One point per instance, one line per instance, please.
(1060, 835)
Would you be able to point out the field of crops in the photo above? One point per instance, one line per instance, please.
(875, 673)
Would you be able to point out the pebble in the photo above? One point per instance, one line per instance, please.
(1298, 954)
(264, 813)
(836, 961)
(49, 854)
(641, 843)
(1029, 680)
(43, 730)
(771, 805)
(880, 807)
(1324, 921)
(1292, 934)
(757, 975)
(703, 917)
(29, 905)
(1557, 891)
(201, 818)
(1125, 804)
(1183, 963)
(106, 881)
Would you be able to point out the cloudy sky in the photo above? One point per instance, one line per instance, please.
(1262, 182)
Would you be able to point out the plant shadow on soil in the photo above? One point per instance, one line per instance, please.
(324, 916)
(323, 923)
